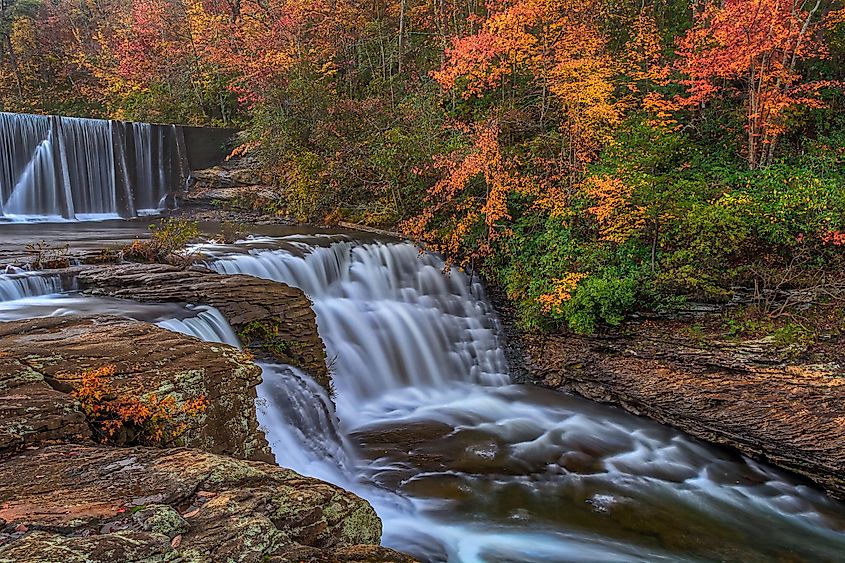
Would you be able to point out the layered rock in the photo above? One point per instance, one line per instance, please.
(270, 317)
(43, 360)
(95, 504)
(32, 412)
(752, 396)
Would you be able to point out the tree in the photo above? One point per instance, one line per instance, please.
(10, 12)
(752, 49)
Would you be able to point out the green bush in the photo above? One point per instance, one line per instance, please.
(607, 298)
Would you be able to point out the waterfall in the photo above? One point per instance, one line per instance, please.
(208, 324)
(20, 285)
(55, 167)
(424, 329)
(464, 466)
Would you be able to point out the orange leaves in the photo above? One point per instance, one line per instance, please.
(835, 238)
(152, 420)
(751, 48)
(662, 111)
(618, 219)
(562, 292)
(473, 192)
(551, 49)
(474, 61)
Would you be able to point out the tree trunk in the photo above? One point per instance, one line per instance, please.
(402, 9)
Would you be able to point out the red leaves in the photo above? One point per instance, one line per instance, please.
(751, 48)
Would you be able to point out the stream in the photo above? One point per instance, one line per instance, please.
(424, 421)
(461, 464)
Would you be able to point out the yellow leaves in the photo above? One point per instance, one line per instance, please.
(555, 43)
(662, 110)
(644, 53)
(617, 217)
(561, 292)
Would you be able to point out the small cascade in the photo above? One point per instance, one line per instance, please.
(390, 312)
(55, 167)
(464, 466)
(298, 418)
(21, 285)
(208, 324)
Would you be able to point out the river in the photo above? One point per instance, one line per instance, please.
(461, 464)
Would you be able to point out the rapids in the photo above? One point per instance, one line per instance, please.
(463, 465)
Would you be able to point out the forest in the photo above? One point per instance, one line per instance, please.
(594, 159)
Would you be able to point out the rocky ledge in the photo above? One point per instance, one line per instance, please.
(92, 504)
(43, 360)
(271, 318)
(783, 405)
(66, 498)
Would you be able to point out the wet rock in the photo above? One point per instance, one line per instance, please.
(147, 360)
(272, 317)
(751, 395)
(221, 509)
(236, 172)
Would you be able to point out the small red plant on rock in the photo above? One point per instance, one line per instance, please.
(130, 420)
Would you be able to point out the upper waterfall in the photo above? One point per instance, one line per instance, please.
(75, 168)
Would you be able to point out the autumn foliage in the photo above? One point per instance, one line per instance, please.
(125, 419)
(753, 48)
(591, 157)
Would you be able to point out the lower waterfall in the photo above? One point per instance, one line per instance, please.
(464, 466)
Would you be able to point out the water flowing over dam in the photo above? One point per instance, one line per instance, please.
(55, 167)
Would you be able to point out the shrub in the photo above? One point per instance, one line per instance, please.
(167, 242)
(46, 256)
(607, 298)
(125, 420)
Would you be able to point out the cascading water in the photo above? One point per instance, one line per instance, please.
(71, 168)
(464, 466)
(20, 284)
(206, 323)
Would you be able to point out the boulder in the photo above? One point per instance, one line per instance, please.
(32, 412)
(43, 360)
(74, 503)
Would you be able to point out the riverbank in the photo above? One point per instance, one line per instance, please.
(775, 400)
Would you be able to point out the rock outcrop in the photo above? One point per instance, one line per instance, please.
(64, 498)
(270, 317)
(42, 362)
(752, 396)
(32, 412)
(75, 503)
